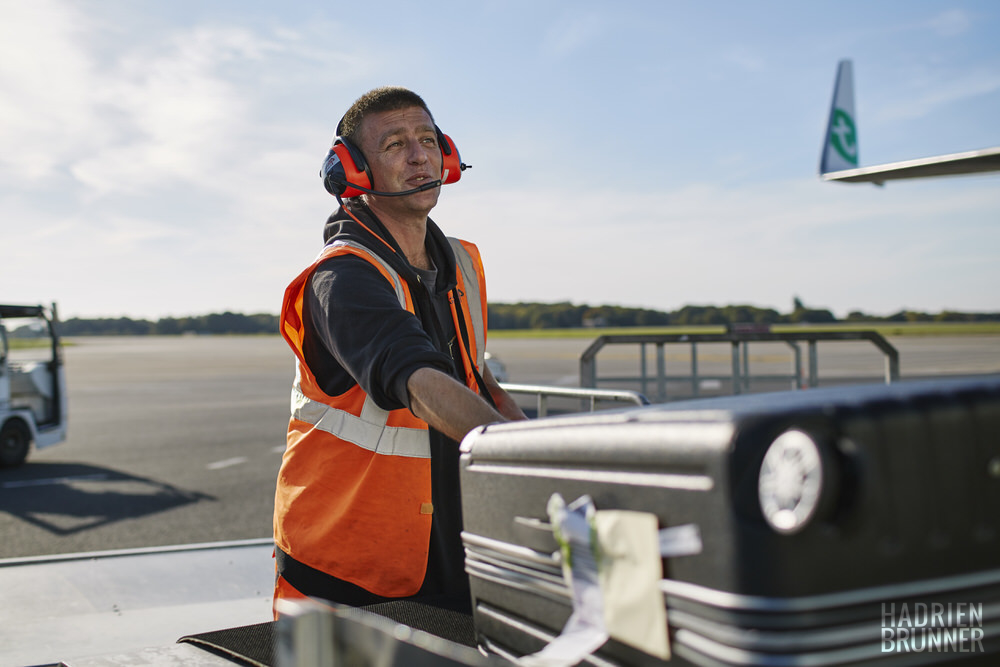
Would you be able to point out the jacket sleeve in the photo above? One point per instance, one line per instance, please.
(360, 334)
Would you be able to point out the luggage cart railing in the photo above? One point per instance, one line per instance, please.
(589, 397)
(739, 340)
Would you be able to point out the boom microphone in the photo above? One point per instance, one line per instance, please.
(426, 186)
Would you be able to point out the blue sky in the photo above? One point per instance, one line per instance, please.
(161, 158)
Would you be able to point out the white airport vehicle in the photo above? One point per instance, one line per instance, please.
(839, 161)
(33, 403)
(497, 367)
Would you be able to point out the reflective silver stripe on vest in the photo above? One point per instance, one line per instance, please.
(368, 431)
(472, 295)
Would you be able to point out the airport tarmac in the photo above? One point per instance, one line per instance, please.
(177, 440)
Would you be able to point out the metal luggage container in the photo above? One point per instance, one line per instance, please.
(851, 525)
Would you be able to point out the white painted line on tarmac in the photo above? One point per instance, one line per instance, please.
(51, 481)
(227, 463)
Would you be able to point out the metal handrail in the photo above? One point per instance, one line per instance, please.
(739, 341)
(543, 392)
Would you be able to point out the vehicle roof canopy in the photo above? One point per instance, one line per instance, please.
(21, 311)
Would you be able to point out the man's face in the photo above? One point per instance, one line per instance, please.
(402, 151)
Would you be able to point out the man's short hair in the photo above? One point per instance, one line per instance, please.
(386, 98)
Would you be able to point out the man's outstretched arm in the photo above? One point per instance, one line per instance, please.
(448, 405)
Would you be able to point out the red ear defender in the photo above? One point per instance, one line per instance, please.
(344, 168)
(451, 162)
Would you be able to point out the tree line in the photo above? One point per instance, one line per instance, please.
(215, 323)
(526, 315)
(568, 316)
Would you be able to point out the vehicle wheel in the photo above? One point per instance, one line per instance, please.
(15, 441)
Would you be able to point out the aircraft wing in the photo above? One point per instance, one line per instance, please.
(970, 162)
(840, 150)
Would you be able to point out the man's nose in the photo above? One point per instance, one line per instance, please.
(418, 153)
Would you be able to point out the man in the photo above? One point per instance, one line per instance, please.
(388, 327)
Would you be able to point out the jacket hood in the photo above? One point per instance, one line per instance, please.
(341, 226)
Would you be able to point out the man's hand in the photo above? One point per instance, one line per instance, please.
(505, 404)
(448, 405)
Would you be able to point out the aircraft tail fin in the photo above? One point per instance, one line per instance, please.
(840, 147)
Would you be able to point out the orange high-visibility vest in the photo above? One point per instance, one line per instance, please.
(353, 497)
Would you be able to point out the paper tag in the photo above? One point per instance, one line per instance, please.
(629, 572)
(612, 563)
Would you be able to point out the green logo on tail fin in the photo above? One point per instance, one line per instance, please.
(844, 137)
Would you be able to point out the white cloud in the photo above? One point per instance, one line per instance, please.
(47, 110)
(176, 108)
(177, 118)
(158, 175)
